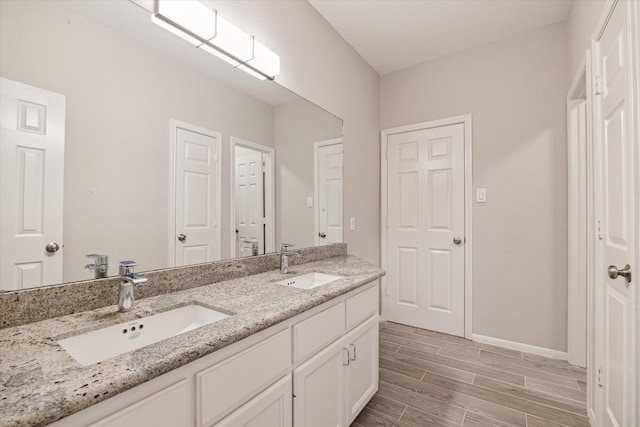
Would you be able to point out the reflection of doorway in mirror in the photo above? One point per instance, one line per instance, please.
(328, 191)
(195, 210)
(31, 185)
(252, 199)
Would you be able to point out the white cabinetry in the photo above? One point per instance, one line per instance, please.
(317, 369)
(230, 383)
(166, 408)
(270, 408)
(362, 371)
(332, 387)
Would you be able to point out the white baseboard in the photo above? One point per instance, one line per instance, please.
(540, 351)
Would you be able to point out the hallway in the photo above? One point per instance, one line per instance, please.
(432, 379)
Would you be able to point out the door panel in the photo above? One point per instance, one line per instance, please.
(31, 185)
(615, 201)
(425, 213)
(250, 212)
(197, 197)
(330, 193)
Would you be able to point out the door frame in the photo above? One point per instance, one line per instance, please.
(316, 184)
(581, 223)
(269, 196)
(465, 120)
(174, 126)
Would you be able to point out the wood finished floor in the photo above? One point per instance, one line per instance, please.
(432, 379)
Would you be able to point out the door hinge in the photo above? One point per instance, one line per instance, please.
(600, 375)
(596, 85)
(599, 231)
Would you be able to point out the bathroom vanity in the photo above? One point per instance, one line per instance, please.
(284, 356)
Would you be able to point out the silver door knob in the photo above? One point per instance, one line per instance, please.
(52, 247)
(182, 237)
(457, 240)
(625, 272)
(323, 235)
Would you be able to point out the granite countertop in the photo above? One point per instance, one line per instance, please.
(41, 383)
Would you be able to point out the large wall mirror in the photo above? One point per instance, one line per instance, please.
(148, 149)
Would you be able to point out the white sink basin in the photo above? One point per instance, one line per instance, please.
(111, 341)
(309, 280)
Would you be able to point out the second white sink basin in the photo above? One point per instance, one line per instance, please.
(309, 280)
(111, 341)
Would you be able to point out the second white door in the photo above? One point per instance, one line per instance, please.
(197, 201)
(425, 243)
(329, 192)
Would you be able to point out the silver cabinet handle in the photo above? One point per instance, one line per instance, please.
(322, 234)
(348, 357)
(354, 352)
(457, 240)
(182, 237)
(625, 272)
(52, 247)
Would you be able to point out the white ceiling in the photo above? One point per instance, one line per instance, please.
(396, 34)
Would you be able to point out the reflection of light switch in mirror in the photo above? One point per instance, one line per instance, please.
(481, 195)
(309, 202)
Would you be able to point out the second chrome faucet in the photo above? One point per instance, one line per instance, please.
(284, 256)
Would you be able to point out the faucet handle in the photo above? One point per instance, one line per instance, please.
(285, 246)
(126, 267)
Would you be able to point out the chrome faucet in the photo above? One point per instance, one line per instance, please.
(284, 256)
(100, 265)
(129, 279)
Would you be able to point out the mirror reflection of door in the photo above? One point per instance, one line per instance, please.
(328, 176)
(196, 235)
(253, 198)
(31, 185)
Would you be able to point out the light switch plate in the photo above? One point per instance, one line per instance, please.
(309, 202)
(481, 195)
(352, 223)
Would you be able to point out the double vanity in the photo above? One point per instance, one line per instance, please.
(259, 349)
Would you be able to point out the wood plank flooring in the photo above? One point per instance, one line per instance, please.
(432, 379)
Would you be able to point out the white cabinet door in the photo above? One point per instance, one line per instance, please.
(167, 408)
(318, 389)
(362, 371)
(271, 408)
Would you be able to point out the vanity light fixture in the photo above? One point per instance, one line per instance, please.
(204, 28)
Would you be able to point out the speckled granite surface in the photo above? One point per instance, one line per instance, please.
(40, 383)
(33, 305)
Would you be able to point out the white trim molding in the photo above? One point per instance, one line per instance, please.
(526, 348)
(466, 120)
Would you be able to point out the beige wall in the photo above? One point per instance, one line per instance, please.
(515, 90)
(320, 66)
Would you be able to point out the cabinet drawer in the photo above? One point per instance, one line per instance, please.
(316, 332)
(362, 306)
(230, 383)
(169, 407)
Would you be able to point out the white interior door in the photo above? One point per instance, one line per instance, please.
(615, 204)
(329, 193)
(197, 197)
(425, 241)
(31, 187)
(249, 196)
